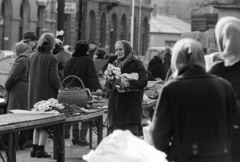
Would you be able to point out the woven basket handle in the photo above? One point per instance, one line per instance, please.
(73, 76)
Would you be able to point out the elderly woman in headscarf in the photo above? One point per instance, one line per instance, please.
(156, 65)
(43, 85)
(17, 84)
(228, 40)
(125, 107)
(194, 115)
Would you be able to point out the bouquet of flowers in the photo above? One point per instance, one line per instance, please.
(113, 73)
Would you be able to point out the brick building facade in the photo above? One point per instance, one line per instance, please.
(105, 21)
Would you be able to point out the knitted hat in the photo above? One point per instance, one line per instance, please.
(81, 46)
(127, 46)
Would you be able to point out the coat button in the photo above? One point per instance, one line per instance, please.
(225, 150)
(195, 146)
(195, 152)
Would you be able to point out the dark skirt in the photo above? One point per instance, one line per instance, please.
(133, 128)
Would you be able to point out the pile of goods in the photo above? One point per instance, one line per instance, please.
(98, 102)
(153, 91)
(54, 106)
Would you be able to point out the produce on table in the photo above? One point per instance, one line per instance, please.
(97, 102)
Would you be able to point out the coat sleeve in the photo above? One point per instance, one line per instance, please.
(54, 78)
(92, 76)
(143, 78)
(163, 122)
(152, 66)
(18, 68)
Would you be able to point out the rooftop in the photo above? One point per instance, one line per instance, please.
(167, 24)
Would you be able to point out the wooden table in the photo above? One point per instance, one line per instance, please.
(96, 124)
(11, 124)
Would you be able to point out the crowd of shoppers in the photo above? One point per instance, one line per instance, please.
(196, 117)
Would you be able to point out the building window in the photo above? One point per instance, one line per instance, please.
(170, 43)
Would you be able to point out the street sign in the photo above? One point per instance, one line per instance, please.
(70, 8)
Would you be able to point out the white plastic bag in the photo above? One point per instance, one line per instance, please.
(123, 146)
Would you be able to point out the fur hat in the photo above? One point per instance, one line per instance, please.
(29, 36)
(81, 46)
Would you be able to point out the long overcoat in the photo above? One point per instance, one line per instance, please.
(231, 74)
(157, 68)
(195, 113)
(43, 77)
(126, 108)
(82, 66)
(17, 84)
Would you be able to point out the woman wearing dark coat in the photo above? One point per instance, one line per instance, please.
(81, 65)
(125, 109)
(17, 83)
(43, 85)
(156, 66)
(194, 115)
(227, 33)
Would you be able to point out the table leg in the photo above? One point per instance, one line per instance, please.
(61, 142)
(90, 134)
(11, 157)
(100, 129)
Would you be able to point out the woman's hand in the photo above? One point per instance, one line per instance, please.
(99, 91)
(124, 84)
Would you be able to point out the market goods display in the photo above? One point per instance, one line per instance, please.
(63, 108)
(98, 102)
(152, 92)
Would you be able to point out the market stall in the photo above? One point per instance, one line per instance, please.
(12, 124)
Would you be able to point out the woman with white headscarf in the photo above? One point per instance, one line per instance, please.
(228, 40)
(17, 84)
(193, 119)
(43, 85)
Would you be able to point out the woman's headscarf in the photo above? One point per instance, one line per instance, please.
(187, 53)
(128, 53)
(47, 40)
(228, 39)
(21, 47)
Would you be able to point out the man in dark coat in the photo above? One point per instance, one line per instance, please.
(156, 65)
(194, 115)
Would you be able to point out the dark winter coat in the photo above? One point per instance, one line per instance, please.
(82, 66)
(194, 112)
(126, 108)
(17, 84)
(43, 77)
(62, 57)
(156, 68)
(231, 74)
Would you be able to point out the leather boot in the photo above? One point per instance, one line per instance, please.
(33, 151)
(75, 134)
(41, 153)
(82, 140)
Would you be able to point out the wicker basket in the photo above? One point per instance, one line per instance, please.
(79, 97)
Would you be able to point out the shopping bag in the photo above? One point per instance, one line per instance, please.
(123, 146)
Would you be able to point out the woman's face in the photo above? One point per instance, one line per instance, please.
(120, 52)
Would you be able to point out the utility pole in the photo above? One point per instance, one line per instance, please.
(132, 23)
(80, 18)
(60, 17)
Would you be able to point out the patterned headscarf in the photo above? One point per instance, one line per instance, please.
(228, 39)
(187, 53)
(21, 47)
